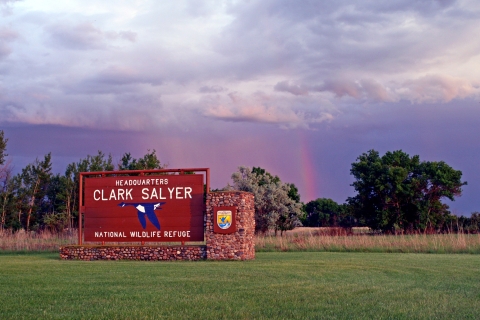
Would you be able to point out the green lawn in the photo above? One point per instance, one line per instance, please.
(291, 285)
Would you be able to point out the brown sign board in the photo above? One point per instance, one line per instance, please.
(150, 208)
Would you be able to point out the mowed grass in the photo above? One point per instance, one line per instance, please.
(288, 285)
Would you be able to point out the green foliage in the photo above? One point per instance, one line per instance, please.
(56, 222)
(98, 162)
(36, 197)
(397, 192)
(474, 225)
(274, 207)
(464, 224)
(149, 161)
(325, 212)
(7, 201)
(69, 182)
(5, 183)
(32, 185)
(264, 177)
(3, 147)
(293, 192)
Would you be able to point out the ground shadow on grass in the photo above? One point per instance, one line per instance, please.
(48, 255)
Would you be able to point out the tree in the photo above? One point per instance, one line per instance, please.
(474, 223)
(98, 162)
(3, 147)
(263, 175)
(274, 209)
(5, 177)
(6, 196)
(5, 169)
(56, 207)
(465, 224)
(14, 203)
(71, 179)
(57, 222)
(69, 193)
(293, 192)
(434, 181)
(33, 184)
(36, 197)
(149, 161)
(322, 213)
(397, 192)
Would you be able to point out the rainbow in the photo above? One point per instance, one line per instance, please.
(308, 172)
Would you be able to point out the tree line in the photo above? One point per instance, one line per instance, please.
(394, 193)
(36, 198)
(397, 193)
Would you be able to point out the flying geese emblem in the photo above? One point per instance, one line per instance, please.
(146, 210)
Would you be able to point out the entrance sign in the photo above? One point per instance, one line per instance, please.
(143, 208)
(232, 210)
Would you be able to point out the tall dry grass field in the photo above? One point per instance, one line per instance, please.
(415, 243)
(51, 241)
(301, 239)
(35, 241)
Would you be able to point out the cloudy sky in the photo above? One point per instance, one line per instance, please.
(300, 88)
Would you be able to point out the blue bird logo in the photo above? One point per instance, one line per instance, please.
(146, 209)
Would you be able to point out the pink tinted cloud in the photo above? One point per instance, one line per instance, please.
(261, 108)
(431, 88)
(375, 91)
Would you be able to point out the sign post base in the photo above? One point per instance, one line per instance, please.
(237, 241)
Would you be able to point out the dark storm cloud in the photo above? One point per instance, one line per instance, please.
(318, 41)
(323, 54)
(228, 77)
(436, 132)
(114, 79)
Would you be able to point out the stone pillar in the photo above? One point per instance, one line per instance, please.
(240, 244)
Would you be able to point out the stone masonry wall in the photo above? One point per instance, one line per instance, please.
(148, 253)
(235, 246)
